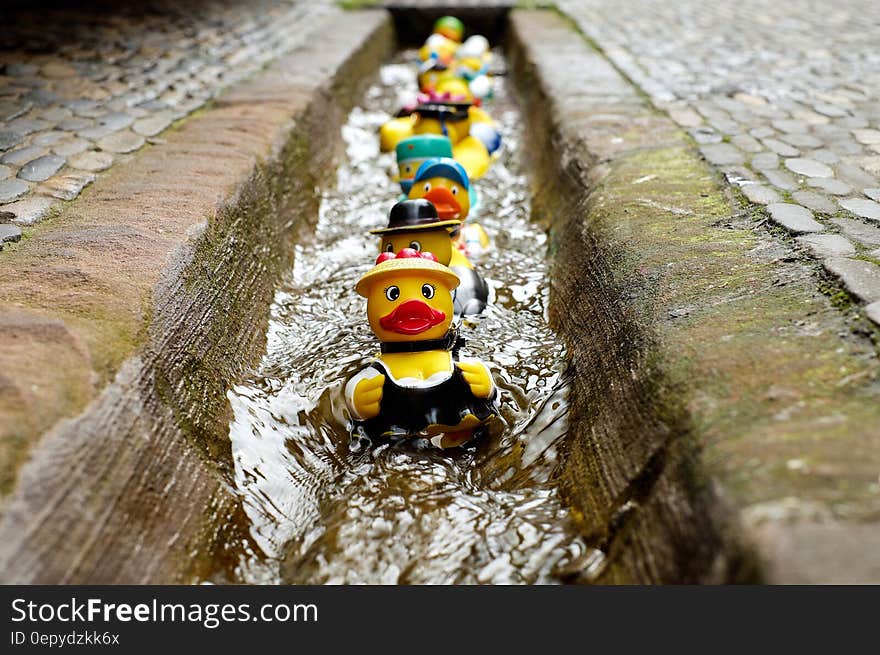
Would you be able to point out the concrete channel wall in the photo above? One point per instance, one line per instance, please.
(631, 474)
(713, 380)
(142, 303)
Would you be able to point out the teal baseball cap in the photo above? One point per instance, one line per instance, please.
(443, 167)
(423, 146)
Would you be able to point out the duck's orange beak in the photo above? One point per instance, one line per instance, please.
(412, 317)
(445, 202)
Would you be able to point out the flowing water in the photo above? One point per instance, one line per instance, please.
(323, 510)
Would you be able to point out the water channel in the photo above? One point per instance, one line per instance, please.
(324, 510)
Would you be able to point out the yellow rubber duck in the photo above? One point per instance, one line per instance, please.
(465, 77)
(438, 47)
(445, 183)
(418, 386)
(444, 40)
(457, 120)
(453, 121)
(449, 112)
(433, 73)
(414, 151)
(417, 225)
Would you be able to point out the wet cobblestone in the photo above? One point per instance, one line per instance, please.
(82, 88)
(790, 90)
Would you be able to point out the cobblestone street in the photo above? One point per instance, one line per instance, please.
(783, 98)
(83, 89)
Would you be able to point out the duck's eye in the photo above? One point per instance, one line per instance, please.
(455, 190)
(427, 187)
(389, 247)
(415, 245)
(428, 291)
(407, 168)
(392, 293)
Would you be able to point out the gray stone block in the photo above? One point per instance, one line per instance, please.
(794, 218)
(861, 278)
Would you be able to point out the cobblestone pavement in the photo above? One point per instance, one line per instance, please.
(783, 98)
(82, 88)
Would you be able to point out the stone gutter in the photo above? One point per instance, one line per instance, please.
(127, 317)
(725, 413)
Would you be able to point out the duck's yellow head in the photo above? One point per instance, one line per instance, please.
(409, 296)
(415, 224)
(455, 87)
(456, 129)
(431, 77)
(438, 242)
(445, 184)
(439, 47)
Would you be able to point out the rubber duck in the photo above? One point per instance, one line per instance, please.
(450, 27)
(472, 61)
(403, 125)
(475, 73)
(432, 73)
(396, 130)
(417, 225)
(444, 182)
(444, 40)
(414, 151)
(454, 89)
(438, 47)
(474, 84)
(472, 132)
(476, 46)
(419, 385)
(451, 112)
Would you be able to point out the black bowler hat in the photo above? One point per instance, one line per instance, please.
(444, 111)
(410, 215)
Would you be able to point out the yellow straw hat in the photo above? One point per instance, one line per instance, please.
(389, 266)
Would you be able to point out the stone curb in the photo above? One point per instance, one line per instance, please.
(131, 313)
(702, 401)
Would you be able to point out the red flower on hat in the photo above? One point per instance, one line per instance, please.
(406, 253)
